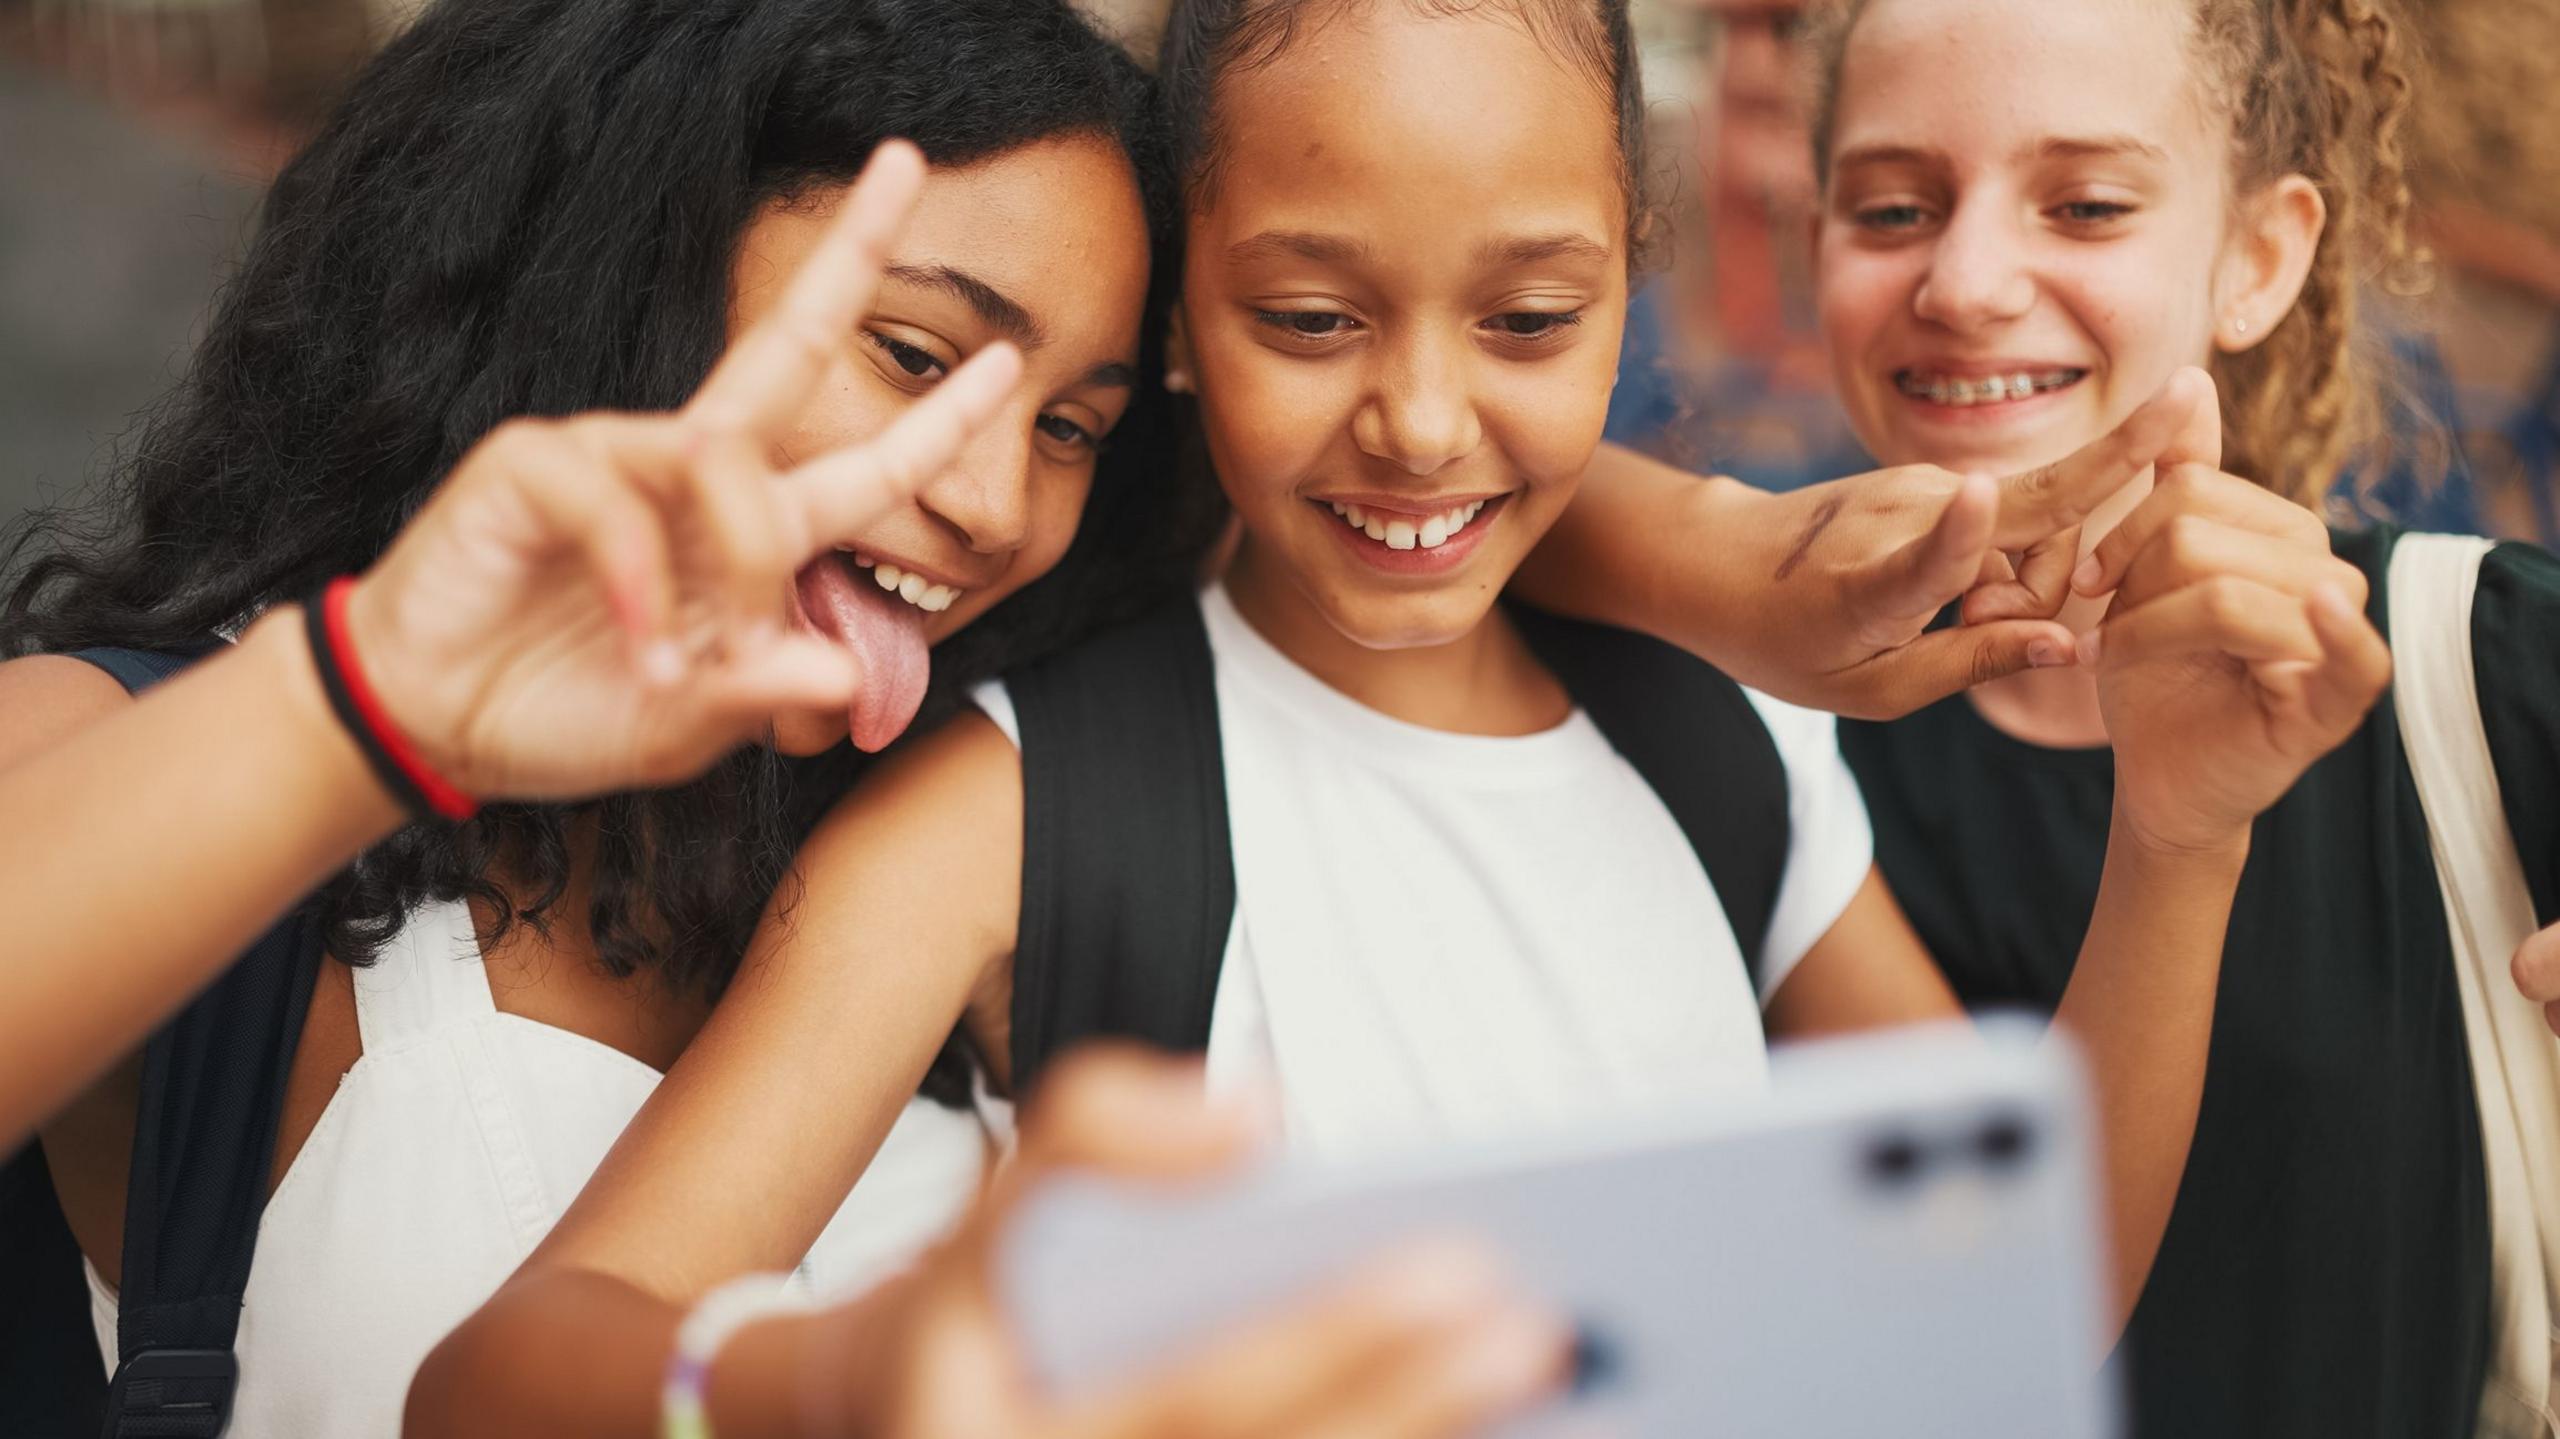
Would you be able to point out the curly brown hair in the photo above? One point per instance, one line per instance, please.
(2316, 88)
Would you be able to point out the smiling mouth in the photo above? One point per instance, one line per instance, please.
(915, 589)
(1405, 532)
(1966, 392)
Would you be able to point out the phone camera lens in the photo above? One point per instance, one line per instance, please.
(1894, 1160)
(2004, 1141)
(1595, 1359)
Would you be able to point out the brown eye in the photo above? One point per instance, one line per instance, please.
(1309, 324)
(1535, 324)
(917, 362)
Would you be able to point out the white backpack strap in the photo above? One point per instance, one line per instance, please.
(2515, 1060)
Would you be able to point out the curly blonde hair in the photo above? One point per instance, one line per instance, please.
(2316, 88)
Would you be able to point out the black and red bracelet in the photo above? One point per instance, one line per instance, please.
(413, 782)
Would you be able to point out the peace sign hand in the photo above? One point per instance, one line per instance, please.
(605, 602)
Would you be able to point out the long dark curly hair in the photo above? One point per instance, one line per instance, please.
(531, 207)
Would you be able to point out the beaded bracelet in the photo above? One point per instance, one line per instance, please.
(420, 790)
(715, 1320)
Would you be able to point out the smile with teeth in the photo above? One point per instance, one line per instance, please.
(1959, 392)
(915, 589)
(1401, 533)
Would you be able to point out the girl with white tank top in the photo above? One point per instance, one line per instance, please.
(446, 1154)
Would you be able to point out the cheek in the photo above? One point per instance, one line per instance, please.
(2147, 307)
(1547, 417)
(1860, 294)
(1270, 419)
(851, 405)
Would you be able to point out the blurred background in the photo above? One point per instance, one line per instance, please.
(137, 135)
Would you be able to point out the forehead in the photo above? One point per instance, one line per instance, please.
(1456, 121)
(1058, 225)
(1994, 73)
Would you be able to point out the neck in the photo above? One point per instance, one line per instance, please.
(1482, 682)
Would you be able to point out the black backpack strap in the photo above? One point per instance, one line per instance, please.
(213, 1082)
(1693, 735)
(1128, 882)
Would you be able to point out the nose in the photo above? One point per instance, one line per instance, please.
(985, 495)
(1978, 273)
(1420, 414)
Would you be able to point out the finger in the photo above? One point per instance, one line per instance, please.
(840, 493)
(1948, 661)
(768, 375)
(1275, 1376)
(587, 507)
(2190, 550)
(1502, 1363)
(1123, 1110)
(748, 527)
(2193, 493)
(2237, 618)
(2198, 440)
(774, 670)
(2537, 967)
(2037, 504)
(1919, 579)
(2357, 668)
(2042, 581)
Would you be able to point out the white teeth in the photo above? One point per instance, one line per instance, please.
(1987, 390)
(1430, 533)
(914, 588)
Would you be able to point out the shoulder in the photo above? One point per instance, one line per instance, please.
(46, 699)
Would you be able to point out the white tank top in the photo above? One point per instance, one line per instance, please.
(451, 1147)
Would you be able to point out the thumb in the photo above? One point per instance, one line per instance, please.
(2198, 437)
(1952, 660)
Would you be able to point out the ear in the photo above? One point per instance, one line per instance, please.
(2266, 261)
(1178, 373)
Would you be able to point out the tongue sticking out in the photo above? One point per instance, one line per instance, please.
(885, 635)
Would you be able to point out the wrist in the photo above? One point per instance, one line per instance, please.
(346, 640)
(275, 644)
(2196, 849)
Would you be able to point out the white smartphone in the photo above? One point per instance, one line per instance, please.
(1900, 1237)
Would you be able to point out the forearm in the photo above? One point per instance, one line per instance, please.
(566, 1351)
(1650, 548)
(2140, 1004)
(141, 855)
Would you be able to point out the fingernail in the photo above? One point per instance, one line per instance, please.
(2046, 655)
(2087, 644)
(661, 663)
(2085, 579)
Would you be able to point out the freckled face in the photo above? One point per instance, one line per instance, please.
(1403, 300)
(2023, 227)
(1045, 246)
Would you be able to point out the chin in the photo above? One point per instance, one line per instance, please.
(1407, 622)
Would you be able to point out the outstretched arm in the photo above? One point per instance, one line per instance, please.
(1430, 1343)
(1822, 596)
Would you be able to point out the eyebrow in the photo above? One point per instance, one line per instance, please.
(1110, 375)
(1888, 155)
(992, 305)
(1299, 244)
(1531, 249)
(2099, 147)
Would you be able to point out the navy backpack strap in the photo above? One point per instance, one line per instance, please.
(1128, 882)
(1694, 737)
(213, 1082)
